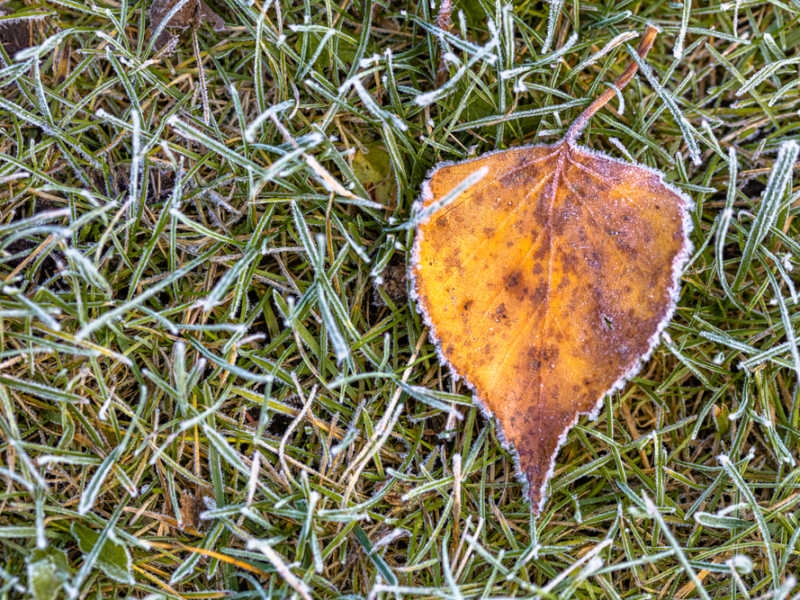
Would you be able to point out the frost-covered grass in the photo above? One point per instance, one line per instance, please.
(212, 382)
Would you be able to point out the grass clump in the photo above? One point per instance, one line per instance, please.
(214, 384)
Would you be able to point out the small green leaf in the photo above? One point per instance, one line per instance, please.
(373, 169)
(114, 559)
(47, 571)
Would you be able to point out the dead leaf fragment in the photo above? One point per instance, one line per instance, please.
(63, 64)
(191, 507)
(192, 15)
(444, 21)
(549, 281)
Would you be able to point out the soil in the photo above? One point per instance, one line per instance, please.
(192, 15)
(15, 36)
(394, 284)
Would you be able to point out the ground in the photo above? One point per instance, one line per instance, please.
(213, 384)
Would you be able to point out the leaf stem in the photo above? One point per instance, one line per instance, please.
(580, 123)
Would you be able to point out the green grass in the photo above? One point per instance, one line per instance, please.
(202, 308)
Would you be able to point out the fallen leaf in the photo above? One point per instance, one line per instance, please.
(548, 282)
(192, 15)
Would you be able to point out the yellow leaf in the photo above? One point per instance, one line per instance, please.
(549, 281)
